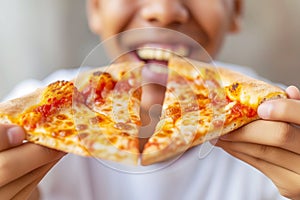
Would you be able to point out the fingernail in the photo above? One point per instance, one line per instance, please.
(264, 110)
(15, 135)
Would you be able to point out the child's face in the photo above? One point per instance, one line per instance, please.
(206, 21)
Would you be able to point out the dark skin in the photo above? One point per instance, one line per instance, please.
(270, 145)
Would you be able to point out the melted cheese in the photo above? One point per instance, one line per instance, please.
(236, 93)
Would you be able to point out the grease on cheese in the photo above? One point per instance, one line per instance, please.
(236, 93)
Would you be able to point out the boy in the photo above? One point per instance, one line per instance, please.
(272, 145)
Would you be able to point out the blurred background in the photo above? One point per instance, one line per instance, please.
(39, 36)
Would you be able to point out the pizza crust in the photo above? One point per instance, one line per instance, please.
(248, 90)
(48, 141)
(174, 149)
(19, 105)
(117, 70)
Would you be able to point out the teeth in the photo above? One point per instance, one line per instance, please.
(160, 54)
(153, 54)
(158, 69)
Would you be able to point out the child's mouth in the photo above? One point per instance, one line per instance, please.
(156, 57)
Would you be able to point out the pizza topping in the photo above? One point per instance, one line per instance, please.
(123, 86)
(236, 110)
(82, 127)
(98, 119)
(63, 133)
(53, 106)
(234, 87)
(243, 110)
(58, 89)
(100, 84)
(30, 120)
(191, 107)
(104, 113)
(82, 135)
(137, 93)
(212, 83)
(238, 92)
(104, 86)
(173, 111)
(123, 126)
(56, 96)
(229, 105)
(218, 123)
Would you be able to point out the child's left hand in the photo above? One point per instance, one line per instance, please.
(272, 145)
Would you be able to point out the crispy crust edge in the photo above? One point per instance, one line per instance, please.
(255, 88)
(16, 106)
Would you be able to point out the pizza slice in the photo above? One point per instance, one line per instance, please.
(73, 116)
(114, 92)
(201, 103)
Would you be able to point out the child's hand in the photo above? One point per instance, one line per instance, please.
(272, 145)
(22, 166)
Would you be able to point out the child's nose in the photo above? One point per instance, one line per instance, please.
(164, 12)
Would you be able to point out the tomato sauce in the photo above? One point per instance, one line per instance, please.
(239, 111)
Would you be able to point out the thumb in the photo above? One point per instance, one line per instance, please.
(293, 92)
(11, 136)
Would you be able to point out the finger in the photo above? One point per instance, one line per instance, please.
(270, 133)
(287, 182)
(10, 136)
(286, 110)
(26, 192)
(11, 189)
(293, 92)
(35, 194)
(274, 155)
(16, 162)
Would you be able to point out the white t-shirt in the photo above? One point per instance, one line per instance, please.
(203, 172)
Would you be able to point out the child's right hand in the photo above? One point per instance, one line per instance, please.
(22, 165)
